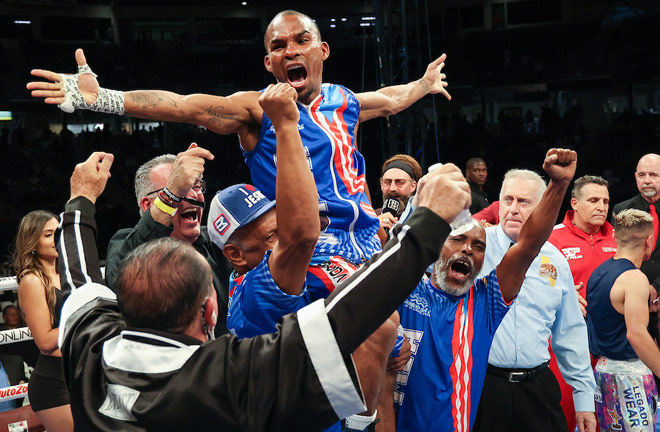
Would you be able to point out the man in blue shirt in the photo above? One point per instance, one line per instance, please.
(520, 392)
(451, 318)
(278, 268)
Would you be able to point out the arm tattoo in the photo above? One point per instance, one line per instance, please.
(425, 85)
(152, 99)
(216, 115)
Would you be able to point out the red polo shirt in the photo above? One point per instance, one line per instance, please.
(584, 252)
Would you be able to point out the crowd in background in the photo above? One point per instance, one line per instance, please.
(39, 157)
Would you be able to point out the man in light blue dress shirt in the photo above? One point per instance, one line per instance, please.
(520, 392)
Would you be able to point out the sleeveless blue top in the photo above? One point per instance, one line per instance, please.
(607, 327)
(327, 128)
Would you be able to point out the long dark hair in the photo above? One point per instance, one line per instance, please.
(25, 258)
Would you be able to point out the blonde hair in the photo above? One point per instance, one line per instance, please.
(25, 259)
(632, 227)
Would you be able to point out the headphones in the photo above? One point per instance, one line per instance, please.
(208, 315)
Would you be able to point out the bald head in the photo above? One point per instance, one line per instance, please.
(307, 21)
(647, 177)
(652, 158)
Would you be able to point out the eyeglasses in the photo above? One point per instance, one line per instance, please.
(199, 186)
(397, 182)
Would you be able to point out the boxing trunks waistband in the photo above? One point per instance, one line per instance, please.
(517, 375)
(630, 366)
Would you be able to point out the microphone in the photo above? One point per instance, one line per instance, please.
(391, 206)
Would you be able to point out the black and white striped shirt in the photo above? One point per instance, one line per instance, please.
(300, 378)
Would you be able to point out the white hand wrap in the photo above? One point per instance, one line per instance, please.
(107, 101)
(360, 422)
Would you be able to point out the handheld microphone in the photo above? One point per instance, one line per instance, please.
(391, 206)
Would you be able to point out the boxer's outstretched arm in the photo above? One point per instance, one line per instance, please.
(394, 99)
(220, 114)
(223, 115)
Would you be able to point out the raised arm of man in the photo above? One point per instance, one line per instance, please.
(560, 165)
(297, 211)
(187, 168)
(237, 113)
(79, 258)
(394, 99)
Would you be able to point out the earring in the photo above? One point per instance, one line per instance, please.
(34, 252)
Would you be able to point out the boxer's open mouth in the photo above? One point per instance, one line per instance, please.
(296, 75)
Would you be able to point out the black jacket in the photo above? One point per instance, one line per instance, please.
(301, 378)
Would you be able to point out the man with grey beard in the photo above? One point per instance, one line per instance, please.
(451, 318)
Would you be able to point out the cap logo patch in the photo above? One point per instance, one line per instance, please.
(221, 224)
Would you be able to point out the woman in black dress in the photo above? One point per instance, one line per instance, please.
(40, 297)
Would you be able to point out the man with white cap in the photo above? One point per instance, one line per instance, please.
(278, 269)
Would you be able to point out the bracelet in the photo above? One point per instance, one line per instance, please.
(165, 208)
(170, 195)
(169, 199)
